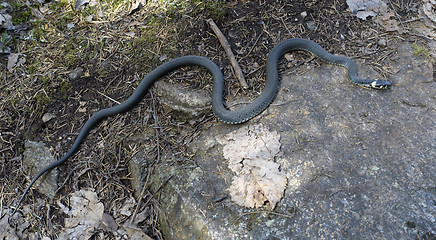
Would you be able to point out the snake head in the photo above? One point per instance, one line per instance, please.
(380, 84)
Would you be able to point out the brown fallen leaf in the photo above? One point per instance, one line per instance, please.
(388, 21)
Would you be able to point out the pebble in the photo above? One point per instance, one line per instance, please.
(47, 117)
(76, 73)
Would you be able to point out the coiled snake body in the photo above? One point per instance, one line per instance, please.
(222, 113)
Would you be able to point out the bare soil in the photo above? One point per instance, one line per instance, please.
(115, 48)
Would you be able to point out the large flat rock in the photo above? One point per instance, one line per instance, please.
(360, 163)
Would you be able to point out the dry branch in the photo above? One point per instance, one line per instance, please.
(226, 46)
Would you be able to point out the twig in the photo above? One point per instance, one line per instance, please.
(1, 201)
(104, 95)
(284, 24)
(156, 126)
(156, 131)
(140, 198)
(229, 53)
(396, 14)
(267, 212)
(254, 45)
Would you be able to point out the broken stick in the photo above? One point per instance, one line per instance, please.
(228, 50)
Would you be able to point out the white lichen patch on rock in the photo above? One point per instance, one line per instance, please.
(250, 151)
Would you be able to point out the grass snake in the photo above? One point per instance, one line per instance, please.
(221, 112)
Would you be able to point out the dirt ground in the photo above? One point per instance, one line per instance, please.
(80, 60)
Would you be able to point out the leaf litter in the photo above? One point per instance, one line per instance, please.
(375, 8)
(250, 151)
(86, 216)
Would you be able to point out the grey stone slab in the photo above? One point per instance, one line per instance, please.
(360, 163)
(37, 156)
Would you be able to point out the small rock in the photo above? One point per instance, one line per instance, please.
(382, 42)
(38, 15)
(4, 49)
(80, 3)
(200, 47)
(163, 58)
(89, 18)
(303, 14)
(47, 117)
(311, 25)
(130, 34)
(76, 73)
(186, 102)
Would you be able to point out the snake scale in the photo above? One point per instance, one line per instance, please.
(221, 112)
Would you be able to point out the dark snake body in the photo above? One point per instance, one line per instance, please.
(222, 113)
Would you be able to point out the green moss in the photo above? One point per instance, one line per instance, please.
(114, 3)
(104, 72)
(210, 8)
(64, 89)
(63, 13)
(56, 5)
(33, 68)
(253, 220)
(421, 51)
(41, 99)
(213, 7)
(38, 31)
(71, 60)
(71, 52)
(16, 5)
(21, 16)
(146, 41)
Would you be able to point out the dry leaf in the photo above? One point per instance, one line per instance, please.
(108, 223)
(38, 15)
(250, 151)
(86, 214)
(140, 217)
(128, 206)
(14, 230)
(135, 233)
(80, 4)
(258, 182)
(14, 60)
(366, 8)
(388, 21)
(428, 13)
(5, 20)
(364, 14)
